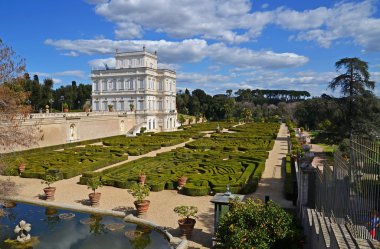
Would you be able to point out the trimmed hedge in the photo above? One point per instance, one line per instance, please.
(210, 165)
(288, 185)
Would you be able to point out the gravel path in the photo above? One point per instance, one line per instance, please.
(272, 180)
(163, 202)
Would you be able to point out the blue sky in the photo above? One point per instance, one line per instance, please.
(213, 45)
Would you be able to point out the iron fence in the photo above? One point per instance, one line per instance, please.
(349, 191)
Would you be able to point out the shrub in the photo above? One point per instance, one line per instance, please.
(288, 178)
(255, 225)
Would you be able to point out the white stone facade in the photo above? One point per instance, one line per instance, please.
(137, 87)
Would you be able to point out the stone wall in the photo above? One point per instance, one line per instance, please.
(73, 127)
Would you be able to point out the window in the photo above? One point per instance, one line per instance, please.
(149, 105)
(96, 106)
(160, 107)
(96, 86)
(161, 85)
(114, 105)
(104, 86)
(170, 86)
(105, 106)
(121, 85)
(141, 105)
(141, 84)
(154, 124)
(121, 105)
(114, 85)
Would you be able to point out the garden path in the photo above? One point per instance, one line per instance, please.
(272, 179)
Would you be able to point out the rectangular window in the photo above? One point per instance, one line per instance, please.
(114, 85)
(161, 85)
(141, 84)
(114, 105)
(104, 87)
(105, 106)
(121, 85)
(96, 106)
(141, 105)
(121, 105)
(130, 84)
(96, 87)
(160, 106)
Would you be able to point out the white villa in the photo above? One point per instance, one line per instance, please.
(137, 87)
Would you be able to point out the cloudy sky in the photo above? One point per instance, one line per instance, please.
(214, 45)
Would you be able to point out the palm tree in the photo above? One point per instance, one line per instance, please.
(355, 79)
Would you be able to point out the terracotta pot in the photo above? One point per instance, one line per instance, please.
(21, 167)
(186, 226)
(142, 207)
(142, 179)
(94, 199)
(65, 109)
(182, 181)
(49, 193)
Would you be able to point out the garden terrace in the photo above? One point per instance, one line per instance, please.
(209, 163)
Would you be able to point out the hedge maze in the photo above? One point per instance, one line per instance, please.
(72, 161)
(210, 163)
(237, 159)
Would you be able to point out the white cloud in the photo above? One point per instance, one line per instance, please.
(74, 73)
(71, 53)
(191, 50)
(57, 81)
(235, 21)
(100, 63)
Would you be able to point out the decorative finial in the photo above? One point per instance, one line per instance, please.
(227, 193)
(144, 48)
(116, 50)
(155, 52)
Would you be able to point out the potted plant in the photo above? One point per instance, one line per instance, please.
(94, 184)
(186, 223)
(86, 106)
(142, 176)
(49, 190)
(140, 192)
(21, 162)
(182, 181)
(131, 107)
(110, 108)
(65, 107)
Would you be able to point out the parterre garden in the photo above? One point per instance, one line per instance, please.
(210, 163)
(237, 159)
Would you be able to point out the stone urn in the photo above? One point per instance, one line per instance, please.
(95, 199)
(49, 193)
(142, 206)
(182, 181)
(186, 225)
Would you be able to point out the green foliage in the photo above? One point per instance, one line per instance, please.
(49, 179)
(65, 105)
(287, 162)
(94, 183)
(255, 225)
(139, 191)
(186, 211)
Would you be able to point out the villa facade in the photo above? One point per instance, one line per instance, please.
(137, 87)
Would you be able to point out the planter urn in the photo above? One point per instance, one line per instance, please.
(21, 167)
(142, 179)
(186, 225)
(142, 207)
(94, 199)
(49, 193)
(182, 181)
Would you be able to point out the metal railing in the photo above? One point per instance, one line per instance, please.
(349, 191)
